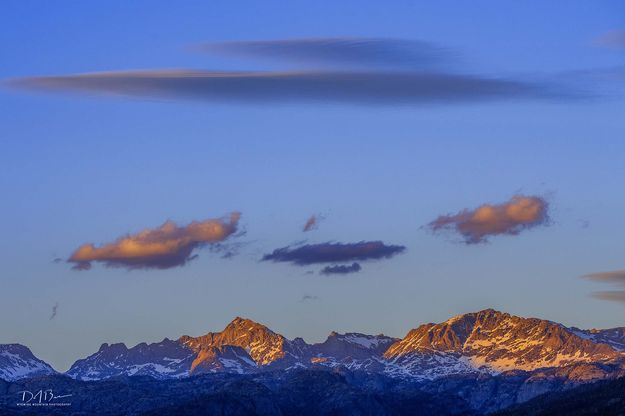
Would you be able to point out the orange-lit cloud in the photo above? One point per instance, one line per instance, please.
(510, 218)
(167, 246)
(312, 223)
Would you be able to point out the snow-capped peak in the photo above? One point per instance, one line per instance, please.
(493, 341)
(17, 361)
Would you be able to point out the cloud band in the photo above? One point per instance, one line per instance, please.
(334, 253)
(357, 87)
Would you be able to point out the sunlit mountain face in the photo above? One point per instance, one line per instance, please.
(316, 208)
(486, 342)
(464, 357)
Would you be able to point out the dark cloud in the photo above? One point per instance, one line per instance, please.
(81, 265)
(611, 295)
(509, 218)
(307, 298)
(167, 246)
(359, 52)
(334, 253)
(612, 39)
(341, 269)
(354, 87)
(55, 308)
(312, 222)
(229, 249)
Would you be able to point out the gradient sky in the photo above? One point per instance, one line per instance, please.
(87, 168)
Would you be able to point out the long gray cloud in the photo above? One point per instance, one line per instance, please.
(616, 277)
(356, 87)
(347, 51)
(334, 253)
(611, 295)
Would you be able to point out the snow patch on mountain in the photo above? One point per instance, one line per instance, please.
(492, 341)
(17, 362)
(614, 337)
(367, 341)
(166, 359)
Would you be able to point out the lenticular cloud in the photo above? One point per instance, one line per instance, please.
(334, 253)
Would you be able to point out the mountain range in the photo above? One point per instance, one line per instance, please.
(487, 341)
(488, 359)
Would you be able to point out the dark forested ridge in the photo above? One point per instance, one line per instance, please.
(308, 392)
(604, 398)
(297, 392)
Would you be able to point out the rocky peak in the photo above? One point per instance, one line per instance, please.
(19, 349)
(500, 341)
(369, 342)
(261, 343)
(240, 326)
(223, 358)
(351, 350)
(614, 337)
(17, 361)
(112, 349)
(165, 359)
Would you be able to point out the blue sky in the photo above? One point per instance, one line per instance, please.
(81, 168)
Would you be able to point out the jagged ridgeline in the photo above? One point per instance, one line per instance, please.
(487, 359)
(486, 342)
